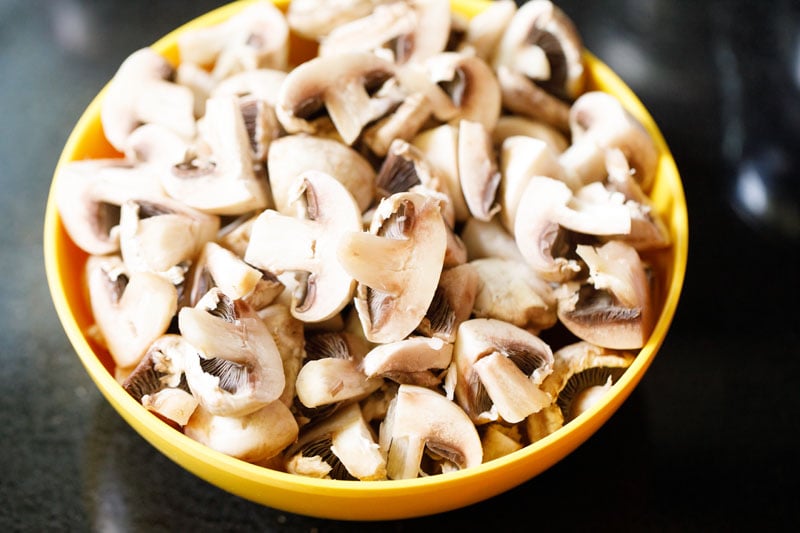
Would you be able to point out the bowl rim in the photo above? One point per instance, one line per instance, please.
(529, 461)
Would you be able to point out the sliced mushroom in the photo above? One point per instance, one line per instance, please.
(141, 92)
(339, 447)
(238, 369)
(582, 373)
(520, 159)
(440, 147)
(511, 125)
(256, 37)
(547, 208)
(489, 239)
(419, 420)
(224, 181)
(542, 43)
(131, 310)
(292, 155)
(199, 81)
(525, 98)
(486, 29)
(509, 290)
(548, 420)
(500, 368)
(612, 308)
(287, 332)
(163, 236)
(308, 243)
(477, 170)
(414, 360)
(315, 19)
(499, 440)
(263, 84)
(156, 145)
(598, 122)
(402, 124)
(254, 437)
(452, 303)
(397, 264)
(333, 380)
(89, 194)
(158, 382)
(347, 87)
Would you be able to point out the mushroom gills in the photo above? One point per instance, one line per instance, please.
(584, 389)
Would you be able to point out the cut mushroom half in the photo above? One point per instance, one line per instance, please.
(422, 422)
(515, 125)
(397, 264)
(348, 87)
(308, 243)
(414, 360)
(238, 369)
(612, 308)
(452, 303)
(477, 170)
(131, 310)
(582, 374)
(224, 181)
(341, 446)
(485, 30)
(141, 92)
(500, 368)
(599, 122)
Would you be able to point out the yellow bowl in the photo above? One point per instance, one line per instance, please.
(354, 500)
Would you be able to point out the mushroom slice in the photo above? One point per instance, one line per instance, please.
(287, 332)
(547, 208)
(156, 145)
(397, 265)
(520, 159)
(140, 92)
(542, 43)
(263, 84)
(598, 122)
(548, 420)
(89, 194)
(340, 447)
(254, 437)
(347, 86)
(439, 146)
(582, 373)
(292, 155)
(256, 37)
(162, 236)
(514, 125)
(510, 291)
(489, 239)
(308, 243)
(612, 308)
(524, 98)
(477, 170)
(224, 182)
(158, 383)
(485, 30)
(239, 369)
(421, 419)
(403, 124)
(413, 360)
(315, 19)
(131, 309)
(499, 440)
(500, 368)
(452, 303)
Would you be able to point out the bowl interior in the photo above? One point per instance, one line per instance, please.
(65, 262)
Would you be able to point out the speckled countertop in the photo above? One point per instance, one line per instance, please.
(704, 443)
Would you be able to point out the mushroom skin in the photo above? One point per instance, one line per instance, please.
(500, 368)
(420, 418)
(237, 368)
(308, 242)
(612, 308)
(397, 264)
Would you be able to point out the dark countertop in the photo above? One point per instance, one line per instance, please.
(703, 444)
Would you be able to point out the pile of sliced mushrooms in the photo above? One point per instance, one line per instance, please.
(417, 251)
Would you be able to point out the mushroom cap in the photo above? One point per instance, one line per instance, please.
(344, 85)
(523, 97)
(409, 360)
(500, 368)
(397, 265)
(452, 303)
(333, 380)
(238, 369)
(440, 147)
(131, 310)
(485, 30)
(291, 155)
(263, 84)
(489, 239)
(477, 170)
(309, 242)
(613, 307)
(513, 125)
(419, 417)
(314, 19)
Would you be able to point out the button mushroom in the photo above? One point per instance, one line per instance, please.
(500, 368)
(237, 369)
(414, 360)
(397, 264)
(419, 420)
(612, 308)
(308, 243)
(131, 310)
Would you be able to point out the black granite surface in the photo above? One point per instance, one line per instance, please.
(707, 442)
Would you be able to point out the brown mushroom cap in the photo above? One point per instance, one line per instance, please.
(420, 418)
(612, 308)
(397, 265)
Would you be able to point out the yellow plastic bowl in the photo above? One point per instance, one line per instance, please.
(356, 500)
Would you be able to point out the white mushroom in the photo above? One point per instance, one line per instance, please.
(414, 360)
